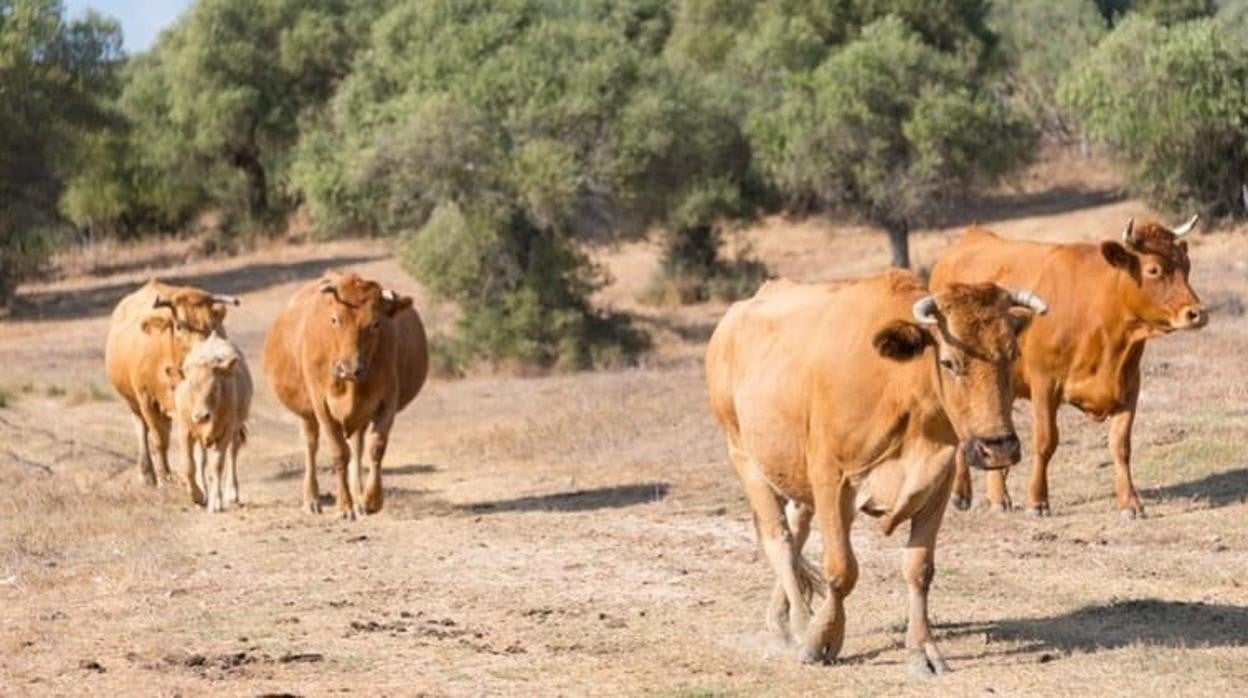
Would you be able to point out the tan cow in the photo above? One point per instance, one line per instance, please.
(1106, 301)
(853, 398)
(212, 401)
(152, 330)
(345, 355)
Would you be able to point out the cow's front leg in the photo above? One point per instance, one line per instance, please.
(1044, 411)
(188, 450)
(231, 485)
(918, 566)
(378, 439)
(311, 430)
(145, 451)
(353, 473)
(341, 453)
(216, 502)
(923, 477)
(834, 510)
(1127, 499)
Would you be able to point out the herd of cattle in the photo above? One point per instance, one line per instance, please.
(871, 396)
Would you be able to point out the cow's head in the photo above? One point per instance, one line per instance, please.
(189, 315)
(1156, 261)
(973, 329)
(351, 314)
(203, 384)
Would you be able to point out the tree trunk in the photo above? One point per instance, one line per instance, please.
(257, 182)
(899, 242)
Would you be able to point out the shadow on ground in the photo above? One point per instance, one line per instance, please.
(100, 300)
(291, 468)
(1219, 489)
(1121, 624)
(580, 500)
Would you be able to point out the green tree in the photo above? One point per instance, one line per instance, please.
(1172, 104)
(1040, 40)
(887, 128)
(51, 74)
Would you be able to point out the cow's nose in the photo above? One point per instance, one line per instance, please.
(998, 451)
(201, 416)
(1194, 316)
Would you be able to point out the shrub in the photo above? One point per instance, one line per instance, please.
(1170, 103)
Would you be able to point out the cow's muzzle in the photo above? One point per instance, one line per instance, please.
(1193, 317)
(350, 371)
(992, 453)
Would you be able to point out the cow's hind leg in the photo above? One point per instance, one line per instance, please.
(145, 451)
(162, 426)
(834, 510)
(775, 539)
(231, 485)
(962, 495)
(919, 567)
(799, 516)
(311, 490)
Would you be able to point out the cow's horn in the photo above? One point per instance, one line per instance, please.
(1027, 299)
(227, 300)
(388, 296)
(1187, 227)
(925, 310)
(1127, 235)
(162, 302)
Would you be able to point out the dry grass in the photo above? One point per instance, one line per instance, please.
(583, 535)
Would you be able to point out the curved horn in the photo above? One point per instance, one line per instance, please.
(389, 296)
(328, 286)
(227, 300)
(1187, 227)
(925, 310)
(1027, 299)
(1127, 235)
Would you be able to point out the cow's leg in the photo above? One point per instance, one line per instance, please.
(1044, 410)
(231, 485)
(311, 491)
(919, 567)
(188, 450)
(216, 503)
(378, 438)
(145, 451)
(834, 510)
(775, 539)
(962, 482)
(798, 516)
(340, 450)
(353, 472)
(1128, 501)
(162, 426)
(201, 466)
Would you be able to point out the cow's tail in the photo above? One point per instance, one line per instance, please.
(243, 431)
(809, 577)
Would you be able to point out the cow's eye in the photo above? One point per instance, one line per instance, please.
(333, 320)
(949, 365)
(1152, 271)
(375, 326)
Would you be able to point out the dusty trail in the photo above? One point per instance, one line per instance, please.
(582, 535)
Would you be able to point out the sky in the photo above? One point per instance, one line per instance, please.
(141, 20)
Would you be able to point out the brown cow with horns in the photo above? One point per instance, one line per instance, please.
(1106, 300)
(853, 398)
(151, 332)
(345, 355)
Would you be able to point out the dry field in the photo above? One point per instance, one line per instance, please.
(583, 534)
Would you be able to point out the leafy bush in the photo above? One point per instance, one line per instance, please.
(1170, 102)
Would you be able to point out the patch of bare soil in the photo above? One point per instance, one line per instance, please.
(584, 535)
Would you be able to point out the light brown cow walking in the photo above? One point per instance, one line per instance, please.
(152, 331)
(345, 355)
(1106, 301)
(848, 398)
(213, 401)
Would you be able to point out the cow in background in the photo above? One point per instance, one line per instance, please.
(152, 330)
(1105, 301)
(345, 355)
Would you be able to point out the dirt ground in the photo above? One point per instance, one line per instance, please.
(583, 534)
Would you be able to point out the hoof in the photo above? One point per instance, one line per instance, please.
(1129, 515)
(313, 507)
(961, 503)
(347, 514)
(197, 498)
(1040, 510)
(918, 667)
(1000, 507)
(359, 511)
(216, 506)
(810, 655)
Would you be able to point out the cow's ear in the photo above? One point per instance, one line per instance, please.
(901, 341)
(1120, 257)
(393, 304)
(218, 314)
(225, 366)
(156, 323)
